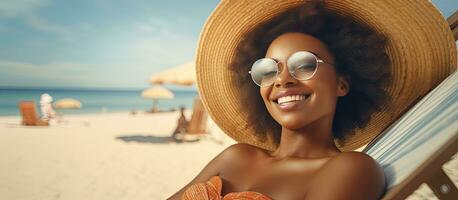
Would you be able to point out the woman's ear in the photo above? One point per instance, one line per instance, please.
(343, 86)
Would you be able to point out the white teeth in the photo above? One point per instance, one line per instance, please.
(291, 98)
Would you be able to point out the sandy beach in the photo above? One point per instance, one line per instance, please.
(109, 156)
(86, 158)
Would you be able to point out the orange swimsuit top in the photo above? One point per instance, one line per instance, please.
(211, 190)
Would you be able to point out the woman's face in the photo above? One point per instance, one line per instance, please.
(318, 94)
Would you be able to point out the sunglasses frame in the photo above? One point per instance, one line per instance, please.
(318, 60)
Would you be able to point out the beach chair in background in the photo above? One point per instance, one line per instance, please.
(29, 114)
(198, 123)
(414, 148)
(196, 128)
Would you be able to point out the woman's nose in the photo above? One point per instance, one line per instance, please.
(284, 79)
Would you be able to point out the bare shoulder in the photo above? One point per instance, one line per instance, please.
(353, 160)
(233, 157)
(353, 175)
(359, 165)
(242, 149)
(242, 152)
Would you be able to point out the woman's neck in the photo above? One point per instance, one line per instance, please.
(312, 141)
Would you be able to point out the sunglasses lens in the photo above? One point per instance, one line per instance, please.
(302, 65)
(264, 71)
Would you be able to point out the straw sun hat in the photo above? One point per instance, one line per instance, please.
(420, 47)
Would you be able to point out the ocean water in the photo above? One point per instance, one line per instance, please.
(94, 101)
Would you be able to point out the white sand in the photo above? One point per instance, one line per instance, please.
(86, 161)
(83, 159)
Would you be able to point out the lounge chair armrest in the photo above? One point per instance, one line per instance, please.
(442, 186)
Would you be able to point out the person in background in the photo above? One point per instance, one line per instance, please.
(181, 125)
(47, 111)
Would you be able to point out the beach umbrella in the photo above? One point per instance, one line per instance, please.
(184, 74)
(68, 103)
(155, 93)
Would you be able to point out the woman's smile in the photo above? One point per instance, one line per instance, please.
(290, 102)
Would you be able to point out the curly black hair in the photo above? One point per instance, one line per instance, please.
(360, 57)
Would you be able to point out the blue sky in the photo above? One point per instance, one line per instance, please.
(101, 43)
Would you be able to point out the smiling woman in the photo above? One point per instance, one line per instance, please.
(354, 46)
(301, 83)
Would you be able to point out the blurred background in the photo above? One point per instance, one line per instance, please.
(108, 89)
(101, 52)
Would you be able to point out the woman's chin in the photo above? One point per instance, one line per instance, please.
(291, 124)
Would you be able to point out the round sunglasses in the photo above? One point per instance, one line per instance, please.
(302, 65)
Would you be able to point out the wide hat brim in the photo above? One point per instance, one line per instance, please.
(420, 46)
